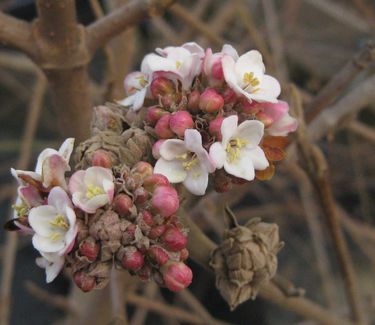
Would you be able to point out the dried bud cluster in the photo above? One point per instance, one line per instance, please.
(245, 260)
(139, 231)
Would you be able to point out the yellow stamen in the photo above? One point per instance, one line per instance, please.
(55, 236)
(93, 191)
(21, 209)
(182, 157)
(234, 148)
(59, 222)
(142, 81)
(178, 64)
(251, 81)
(190, 164)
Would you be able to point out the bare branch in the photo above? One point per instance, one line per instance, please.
(16, 33)
(104, 29)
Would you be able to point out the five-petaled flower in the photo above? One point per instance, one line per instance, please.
(247, 77)
(92, 188)
(239, 152)
(55, 230)
(186, 161)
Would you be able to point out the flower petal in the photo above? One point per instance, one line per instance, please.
(258, 158)
(228, 128)
(76, 182)
(242, 167)
(249, 62)
(283, 126)
(172, 169)
(66, 149)
(95, 176)
(53, 171)
(46, 244)
(252, 131)
(269, 90)
(218, 154)
(170, 149)
(40, 217)
(139, 98)
(42, 156)
(230, 50)
(59, 199)
(30, 195)
(197, 180)
(53, 264)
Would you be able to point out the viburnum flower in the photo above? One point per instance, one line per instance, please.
(50, 168)
(55, 230)
(184, 62)
(92, 188)
(186, 161)
(212, 65)
(282, 122)
(136, 86)
(247, 77)
(239, 152)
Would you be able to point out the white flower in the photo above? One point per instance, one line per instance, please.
(136, 87)
(185, 62)
(238, 152)
(54, 224)
(246, 77)
(186, 161)
(52, 262)
(92, 188)
(50, 168)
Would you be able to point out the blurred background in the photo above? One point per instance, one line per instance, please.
(304, 42)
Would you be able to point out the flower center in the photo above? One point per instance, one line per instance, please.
(55, 236)
(21, 209)
(188, 160)
(93, 191)
(59, 222)
(142, 81)
(178, 64)
(250, 82)
(234, 148)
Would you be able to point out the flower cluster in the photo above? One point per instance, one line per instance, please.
(212, 113)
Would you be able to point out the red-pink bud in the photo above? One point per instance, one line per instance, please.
(229, 96)
(89, 248)
(156, 149)
(123, 204)
(153, 114)
(215, 127)
(161, 86)
(133, 259)
(177, 276)
(217, 70)
(184, 254)
(162, 129)
(249, 107)
(165, 200)
(158, 254)
(141, 195)
(101, 158)
(180, 121)
(155, 180)
(193, 101)
(83, 281)
(174, 239)
(157, 231)
(146, 217)
(211, 101)
(141, 170)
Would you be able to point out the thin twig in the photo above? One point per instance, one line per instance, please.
(140, 315)
(363, 130)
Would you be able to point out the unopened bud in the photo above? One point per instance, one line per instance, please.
(123, 204)
(158, 255)
(174, 239)
(153, 114)
(141, 195)
(211, 101)
(155, 180)
(132, 259)
(229, 96)
(101, 158)
(215, 127)
(157, 231)
(162, 129)
(177, 276)
(249, 107)
(89, 248)
(146, 217)
(193, 101)
(156, 149)
(83, 281)
(161, 86)
(141, 170)
(180, 121)
(165, 201)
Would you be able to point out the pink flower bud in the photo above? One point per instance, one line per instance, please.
(217, 70)
(141, 170)
(153, 114)
(264, 118)
(174, 239)
(165, 201)
(123, 204)
(101, 158)
(249, 107)
(157, 231)
(193, 101)
(177, 276)
(156, 149)
(154, 181)
(83, 281)
(161, 86)
(141, 195)
(180, 121)
(162, 129)
(146, 217)
(229, 96)
(211, 101)
(158, 255)
(215, 127)
(89, 248)
(133, 259)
